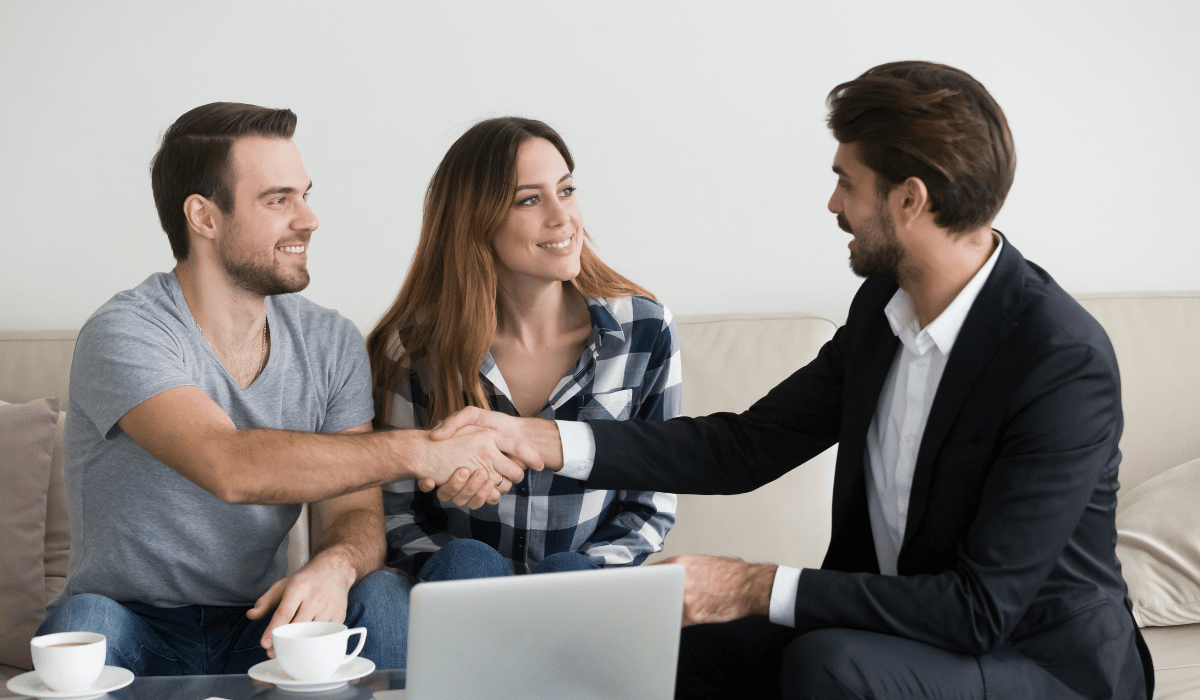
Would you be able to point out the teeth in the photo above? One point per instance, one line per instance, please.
(564, 244)
(292, 249)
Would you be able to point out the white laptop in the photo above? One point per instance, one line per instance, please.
(611, 633)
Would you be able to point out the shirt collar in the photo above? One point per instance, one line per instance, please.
(604, 321)
(943, 330)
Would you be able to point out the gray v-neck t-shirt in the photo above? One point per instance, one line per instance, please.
(140, 531)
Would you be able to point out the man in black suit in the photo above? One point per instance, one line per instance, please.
(977, 411)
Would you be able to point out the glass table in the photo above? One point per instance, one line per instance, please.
(242, 687)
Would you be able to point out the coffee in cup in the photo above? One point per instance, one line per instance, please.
(313, 651)
(69, 662)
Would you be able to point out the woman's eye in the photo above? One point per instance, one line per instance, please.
(567, 192)
(529, 201)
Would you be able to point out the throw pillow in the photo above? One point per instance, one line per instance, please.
(1158, 543)
(58, 525)
(26, 451)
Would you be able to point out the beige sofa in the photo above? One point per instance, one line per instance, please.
(728, 361)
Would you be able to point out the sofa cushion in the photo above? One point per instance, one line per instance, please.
(1158, 543)
(26, 454)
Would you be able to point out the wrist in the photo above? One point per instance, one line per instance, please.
(760, 580)
(338, 563)
(542, 434)
(411, 451)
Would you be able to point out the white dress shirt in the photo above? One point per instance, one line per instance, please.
(893, 440)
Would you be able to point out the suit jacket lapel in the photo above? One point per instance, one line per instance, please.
(991, 318)
(874, 350)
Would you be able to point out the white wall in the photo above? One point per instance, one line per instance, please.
(702, 154)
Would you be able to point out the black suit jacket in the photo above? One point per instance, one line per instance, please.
(1009, 544)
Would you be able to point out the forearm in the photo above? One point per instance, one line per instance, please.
(355, 541)
(263, 466)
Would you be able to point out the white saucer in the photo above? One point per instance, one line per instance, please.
(271, 672)
(111, 678)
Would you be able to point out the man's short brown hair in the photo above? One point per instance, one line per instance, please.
(194, 159)
(936, 123)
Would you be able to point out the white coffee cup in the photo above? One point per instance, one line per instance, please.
(69, 662)
(313, 651)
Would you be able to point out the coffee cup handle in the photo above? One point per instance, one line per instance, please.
(362, 639)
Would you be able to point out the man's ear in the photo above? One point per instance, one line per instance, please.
(914, 199)
(203, 216)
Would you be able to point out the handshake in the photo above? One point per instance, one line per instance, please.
(475, 456)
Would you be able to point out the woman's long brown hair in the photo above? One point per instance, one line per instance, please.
(445, 313)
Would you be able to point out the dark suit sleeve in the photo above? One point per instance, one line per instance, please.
(725, 452)
(1055, 457)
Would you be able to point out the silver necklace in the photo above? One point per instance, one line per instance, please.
(262, 355)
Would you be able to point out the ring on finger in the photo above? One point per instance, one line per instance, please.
(498, 482)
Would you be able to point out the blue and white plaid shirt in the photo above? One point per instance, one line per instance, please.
(629, 369)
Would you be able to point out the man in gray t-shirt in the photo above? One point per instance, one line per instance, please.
(208, 403)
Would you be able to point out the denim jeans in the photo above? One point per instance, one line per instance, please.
(207, 639)
(462, 559)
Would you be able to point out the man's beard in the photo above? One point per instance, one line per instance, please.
(878, 253)
(256, 277)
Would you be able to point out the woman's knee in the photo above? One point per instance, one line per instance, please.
(381, 590)
(566, 561)
(463, 559)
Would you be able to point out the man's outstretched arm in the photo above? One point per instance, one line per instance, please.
(186, 430)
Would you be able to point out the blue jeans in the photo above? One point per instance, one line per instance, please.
(207, 639)
(464, 558)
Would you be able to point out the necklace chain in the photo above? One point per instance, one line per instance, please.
(262, 355)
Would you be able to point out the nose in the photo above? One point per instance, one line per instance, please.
(834, 205)
(305, 219)
(557, 214)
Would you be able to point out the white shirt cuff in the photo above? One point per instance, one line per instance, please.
(579, 449)
(783, 596)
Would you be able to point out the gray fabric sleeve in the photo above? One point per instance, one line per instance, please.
(350, 403)
(122, 359)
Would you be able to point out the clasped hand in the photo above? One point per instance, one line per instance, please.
(476, 457)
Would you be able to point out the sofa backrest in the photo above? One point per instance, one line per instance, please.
(35, 365)
(729, 360)
(1156, 336)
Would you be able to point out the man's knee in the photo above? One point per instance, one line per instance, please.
(846, 663)
(126, 633)
(89, 612)
(824, 663)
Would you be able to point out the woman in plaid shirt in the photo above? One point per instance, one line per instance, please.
(505, 306)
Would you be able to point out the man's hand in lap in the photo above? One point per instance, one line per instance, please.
(720, 589)
(317, 592)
